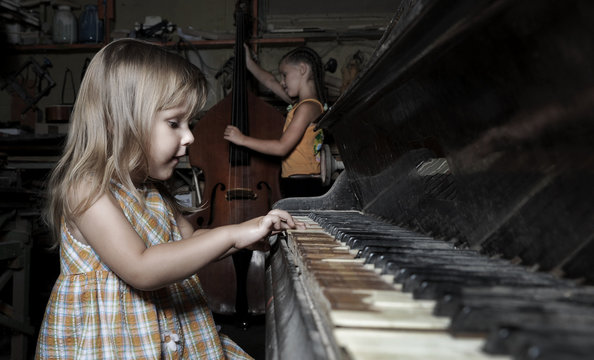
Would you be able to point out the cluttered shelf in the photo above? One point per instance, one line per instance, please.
(203, 44)
(61, 48)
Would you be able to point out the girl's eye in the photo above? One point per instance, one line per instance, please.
(173, 124)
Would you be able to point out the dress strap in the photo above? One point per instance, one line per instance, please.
(309, 100)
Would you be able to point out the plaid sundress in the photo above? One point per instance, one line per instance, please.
(93, 314)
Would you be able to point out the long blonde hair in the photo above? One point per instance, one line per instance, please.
(126, 84)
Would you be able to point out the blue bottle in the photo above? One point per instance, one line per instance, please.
(90, 28)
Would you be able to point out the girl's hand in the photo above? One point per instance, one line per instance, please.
(249, 60)
(233, 135)
(259, 228)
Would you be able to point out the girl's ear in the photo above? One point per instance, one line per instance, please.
(304, 68)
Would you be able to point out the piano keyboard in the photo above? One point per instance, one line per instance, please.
(382, 292)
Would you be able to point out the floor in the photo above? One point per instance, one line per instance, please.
(252, 340)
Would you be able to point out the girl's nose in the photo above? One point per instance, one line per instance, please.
(188, 138)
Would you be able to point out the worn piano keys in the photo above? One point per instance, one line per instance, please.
(430, 300)
(366, 314)
(465, 203)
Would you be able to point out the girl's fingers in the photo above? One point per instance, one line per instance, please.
(284, 217)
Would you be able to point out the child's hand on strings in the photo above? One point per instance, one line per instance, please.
(248, 57)
(233, 134)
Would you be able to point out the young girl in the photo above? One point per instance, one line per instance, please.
(127, 287)
(302, 78)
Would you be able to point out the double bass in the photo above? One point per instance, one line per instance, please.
(239, 184)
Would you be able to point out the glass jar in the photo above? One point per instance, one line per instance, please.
(64, 29)
(90, 28)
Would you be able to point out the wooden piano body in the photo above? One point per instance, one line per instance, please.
(473, 124)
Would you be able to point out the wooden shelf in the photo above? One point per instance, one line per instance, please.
(208, 44)
(203, 44)
(55, 48)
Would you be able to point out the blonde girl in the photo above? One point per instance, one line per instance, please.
(127, 286)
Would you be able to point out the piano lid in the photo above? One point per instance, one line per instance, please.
(474, 121)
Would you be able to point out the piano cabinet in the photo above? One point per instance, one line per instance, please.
(467, 190)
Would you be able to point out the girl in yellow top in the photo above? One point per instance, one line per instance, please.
(302, 79)
(127, 286)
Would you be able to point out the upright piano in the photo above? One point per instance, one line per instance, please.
(462, 225)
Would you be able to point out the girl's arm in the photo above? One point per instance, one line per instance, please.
(264, 77)
(304, 115)
(106, 229)
(187, 230)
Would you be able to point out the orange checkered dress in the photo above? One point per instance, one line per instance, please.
(93, 314)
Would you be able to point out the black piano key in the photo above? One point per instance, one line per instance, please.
(515, 340)
(437, 287)
(449, 304)
(379, 247)
(488, 316)
(364, 233)
(556, 351)
(352, 223)
(356, 241)
(374, 254)
(340, 231)
(392, 262)
(464, 269)
(420, 278)
(359, 242)
(300, 212)
(353, 240)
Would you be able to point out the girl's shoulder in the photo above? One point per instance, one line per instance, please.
(309, 107)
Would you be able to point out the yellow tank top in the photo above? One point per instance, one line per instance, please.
(305, 157)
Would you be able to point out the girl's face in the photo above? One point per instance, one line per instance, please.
(170, 137)
(292, 76)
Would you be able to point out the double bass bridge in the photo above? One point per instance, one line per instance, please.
(240, 194)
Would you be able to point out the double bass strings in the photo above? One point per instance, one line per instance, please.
(239, 157)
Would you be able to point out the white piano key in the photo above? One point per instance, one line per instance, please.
(403, 318)
(363, 344)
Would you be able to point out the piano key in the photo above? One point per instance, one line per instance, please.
(390, 260)
(439, 286)
(388, 246)
(367, 344)
(356, 240)
(391, 241)
(366, 299)
(518, 340)
(390, 318)
(449, 304)
(393, 262)
(418, 274)
(356, 296)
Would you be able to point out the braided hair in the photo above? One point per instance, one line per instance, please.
(309, 56)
